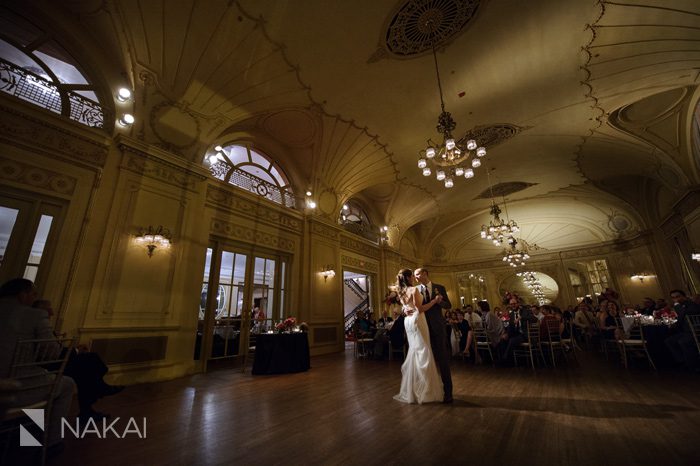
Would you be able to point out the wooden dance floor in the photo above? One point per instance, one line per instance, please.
(342, 412)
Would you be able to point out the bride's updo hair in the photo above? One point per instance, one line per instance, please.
(403, 280)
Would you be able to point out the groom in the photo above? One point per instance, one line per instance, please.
(436, 325)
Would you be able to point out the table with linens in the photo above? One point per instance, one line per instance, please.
(655, 332)
(281, 353)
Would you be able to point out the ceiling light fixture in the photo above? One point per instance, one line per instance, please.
(123, 94)
(126, 119)
(451, 158)
(498, 230)
(516, 256)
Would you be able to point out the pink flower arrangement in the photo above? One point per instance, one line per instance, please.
(286, 325)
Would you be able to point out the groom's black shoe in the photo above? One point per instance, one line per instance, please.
(447, 399)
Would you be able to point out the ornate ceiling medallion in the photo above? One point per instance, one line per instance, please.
(492, 135)
(407, 33)
(505, 189)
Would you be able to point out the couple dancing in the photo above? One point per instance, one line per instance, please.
(422, 303)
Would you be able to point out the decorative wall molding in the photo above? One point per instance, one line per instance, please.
(358, 263)
(36, 177)
(359, 247)
(238, 232)
(17, 127)
(138, 160)
(325, 230)
(235, 202)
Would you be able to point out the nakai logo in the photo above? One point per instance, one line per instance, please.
(25, 438)
(105, 429)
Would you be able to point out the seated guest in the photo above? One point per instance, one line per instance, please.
(666, 312)
(493, 325)
(363, 327)
(474, 317)
(660, 304)
(584, 319)
(682, 344)
(648, 307)
(538, 312)
(19, 321)
(87, 371)
(384, 319)
(520, 317)
(465, 333)
(548, 319)
(607, 317)
(397, 332)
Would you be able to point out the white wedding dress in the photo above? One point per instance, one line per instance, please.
(420, 381)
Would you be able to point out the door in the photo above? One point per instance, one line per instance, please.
(28, 232)
(249, 299)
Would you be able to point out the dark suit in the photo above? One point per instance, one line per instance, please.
(438, 335)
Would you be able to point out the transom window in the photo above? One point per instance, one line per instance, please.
(248, 169)
(35, 68)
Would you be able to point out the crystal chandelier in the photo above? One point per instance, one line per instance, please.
(533, 285)
(515, 256)
(498, 230)
(451, 158)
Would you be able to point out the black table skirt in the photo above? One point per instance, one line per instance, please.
(656, 336)
(281, 353)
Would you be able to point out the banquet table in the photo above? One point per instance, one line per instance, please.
(654, 334)
(281, 353)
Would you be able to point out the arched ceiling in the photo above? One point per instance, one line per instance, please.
(598, 90)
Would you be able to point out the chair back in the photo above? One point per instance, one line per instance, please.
(38, 365)
(533, 333)
(635, 331)
(553, 330)
(694, 325)
(479, 334)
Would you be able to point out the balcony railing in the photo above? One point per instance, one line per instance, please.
(33, 88)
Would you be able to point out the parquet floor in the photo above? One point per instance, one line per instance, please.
(342, 412)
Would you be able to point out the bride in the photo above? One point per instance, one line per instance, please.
(420, 381)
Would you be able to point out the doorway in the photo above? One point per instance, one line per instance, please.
(357, 289)
(251, 295)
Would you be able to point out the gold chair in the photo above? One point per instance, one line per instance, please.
(530, 347)
(634, 343)
(38, 367)
(481, 342)
(694, 324)
(571, 340)
(553, 340)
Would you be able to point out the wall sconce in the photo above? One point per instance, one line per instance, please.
(641, 277)
(154, 238)
(327, 271)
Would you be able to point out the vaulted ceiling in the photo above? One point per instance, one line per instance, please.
(587, 103)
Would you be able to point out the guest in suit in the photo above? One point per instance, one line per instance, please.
(682, 343)
(520, 316)
(436, 325)
(87, 370)
(19, 321)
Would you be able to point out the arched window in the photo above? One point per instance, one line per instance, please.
(35, 68)
(354, 219)
(250, 170)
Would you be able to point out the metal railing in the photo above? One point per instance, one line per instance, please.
(39, 91)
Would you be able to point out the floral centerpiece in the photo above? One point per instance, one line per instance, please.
(287, 325)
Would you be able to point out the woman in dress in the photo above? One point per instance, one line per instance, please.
(420, 381)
